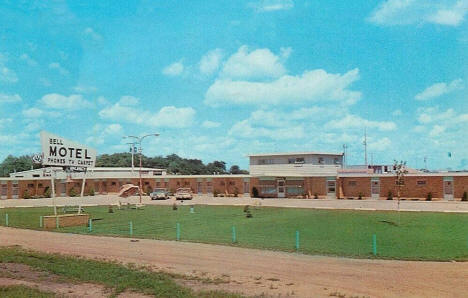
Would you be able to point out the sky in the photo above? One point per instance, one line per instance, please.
(219, 80)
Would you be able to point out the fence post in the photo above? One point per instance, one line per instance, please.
(234, 236)
(192, 209)
(178, 231)
(6, 219)
(131, 228)
(374, 244)
(297, 240)
(41, 222)
(90, 225)
(57, 222)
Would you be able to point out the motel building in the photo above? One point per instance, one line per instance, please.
(307, 175)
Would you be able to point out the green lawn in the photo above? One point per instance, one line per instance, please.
(23, 292)
(420, 236)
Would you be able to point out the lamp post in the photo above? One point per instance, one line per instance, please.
(133, 153)
(139, 140)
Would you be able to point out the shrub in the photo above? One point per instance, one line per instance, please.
(26, 194)
(246, 208)
(254, 192)
(91, 192)
(390, 195)
(111, 209)
(215, 193)
(236, 192)
(360, 196)
(465, 196)
(72, 192)
(174, 206)
(148, 190)
(316, 196)
(47, 192)
(429, 196)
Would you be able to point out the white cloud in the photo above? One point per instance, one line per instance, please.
(93, 35)
(434, 115)
(257, 64)
(174, 69)
(210, 124)
(437, 130)
(84, 89)
(7, 75)
(103, 132)
(353, 121)
(58, 67)
(168, 116)
(311, 86)
(380, 145)
(245, 129)
(128, 100)
(32, 113)
(405, 12)
(450, 16)
(62, 102)
(397, 113)
(272, 5)
(210, 62)
(9, 98)
(439, 89)
(30, 61)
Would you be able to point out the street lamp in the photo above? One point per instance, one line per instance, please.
(138, 140)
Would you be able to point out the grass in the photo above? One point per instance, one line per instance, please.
(419, 236)
(23, 292)
(113, 275)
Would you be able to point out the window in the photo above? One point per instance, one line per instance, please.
(15, 189)
(352, 183)
(30, 185)
(421, 182)
(4, 190)
(265, 162)
(320, 160)
(268, 189)
(299, 160)
(146, 183)
(336, 161)
(40, 185)
(113, 183)
(291, 160)
(36, 175)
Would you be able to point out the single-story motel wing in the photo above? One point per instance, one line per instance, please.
(272, 175)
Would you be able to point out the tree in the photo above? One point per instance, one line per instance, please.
(400, 171)
(13, 164)
(236, 170)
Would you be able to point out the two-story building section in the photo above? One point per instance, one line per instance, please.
(288, 174)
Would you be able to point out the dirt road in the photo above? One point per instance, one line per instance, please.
(255, 271)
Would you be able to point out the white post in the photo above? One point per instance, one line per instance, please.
(84, 183)
(53, 191)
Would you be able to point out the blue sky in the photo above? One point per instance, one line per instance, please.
(222, 79)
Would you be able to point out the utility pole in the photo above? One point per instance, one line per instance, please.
(138, 140)
(345, 157)
(133, 153)
(365, 146)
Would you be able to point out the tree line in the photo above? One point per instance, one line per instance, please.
(173, 163)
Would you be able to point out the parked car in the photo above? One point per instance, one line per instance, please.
(183, 194)
(159, 194)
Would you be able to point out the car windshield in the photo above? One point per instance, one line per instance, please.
(183, 190)
(159, 190)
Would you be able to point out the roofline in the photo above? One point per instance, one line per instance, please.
(296, 153)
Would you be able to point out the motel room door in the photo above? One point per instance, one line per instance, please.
(448, 188)
(375, 188)
(331, 189)
(281, 189)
